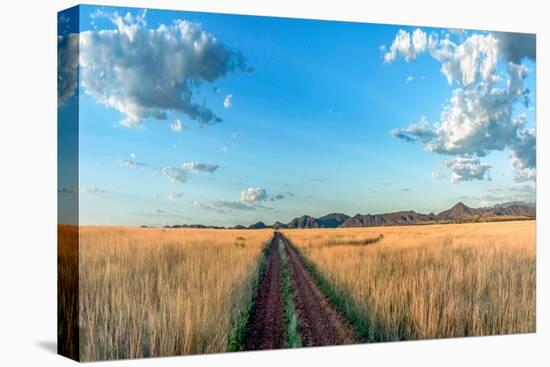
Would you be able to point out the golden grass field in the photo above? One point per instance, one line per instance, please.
(67, 291)
(159, 292)
(431, 281)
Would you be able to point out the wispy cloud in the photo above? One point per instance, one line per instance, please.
(235, 205)
(67, 190)
(437, 175)
(82, 190)
(175, 174)
(316, 179)
(516, 194)
(200, 167)
(209, 207)
(160, 213)
(251, 199)
(131, 163)
(175, 195)
(91, 190)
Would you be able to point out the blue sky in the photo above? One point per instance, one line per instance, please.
(318, 118)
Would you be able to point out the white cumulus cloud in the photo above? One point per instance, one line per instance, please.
(251, 198)
(176, 126)
(477, 121)
(467, 169)
(524, 156)
(421, 131)
(515, 47)
(479, 116)
(146, 73)
(67, 67)
(470, 62)
(228, 101)
(408, 46)
(253, 195)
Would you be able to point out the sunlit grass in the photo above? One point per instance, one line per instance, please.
(159, 292)
(431, 281)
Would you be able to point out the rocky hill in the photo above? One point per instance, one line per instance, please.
(458, 213)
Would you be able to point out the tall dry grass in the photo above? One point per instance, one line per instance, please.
(432, 281)
(67, 291)
(160, 292)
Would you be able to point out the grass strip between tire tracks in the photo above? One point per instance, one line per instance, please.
(340, 301)
(292, 333)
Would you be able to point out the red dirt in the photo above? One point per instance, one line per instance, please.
(320, 324)
(265, 327)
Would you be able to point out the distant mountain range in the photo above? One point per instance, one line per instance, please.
(459, 213)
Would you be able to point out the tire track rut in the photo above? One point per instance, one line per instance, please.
(265, 327)
(319, 323)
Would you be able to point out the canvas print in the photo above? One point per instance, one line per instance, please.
(233, 183)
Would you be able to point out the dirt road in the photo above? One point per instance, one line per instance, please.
(319, 323)
(265, 328)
